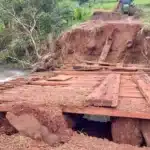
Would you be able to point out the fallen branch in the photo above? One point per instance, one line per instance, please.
(94, 62)
(105, 50)
(84, 67)
(23, 63)
(47, 83)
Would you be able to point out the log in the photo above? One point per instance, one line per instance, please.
(105, 50)
(143, 83)
(83, 67)
(94, 62)
(47, 83)
(74, 72)
(129, 69)
(103, 111)
(107, 93)
(59, 78)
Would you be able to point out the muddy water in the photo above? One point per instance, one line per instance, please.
(7, 74)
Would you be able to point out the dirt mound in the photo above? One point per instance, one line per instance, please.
(29, 126)
(47, 121)
(106, 15)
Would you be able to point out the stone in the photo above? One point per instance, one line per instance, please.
(26, 124)
(29, 126)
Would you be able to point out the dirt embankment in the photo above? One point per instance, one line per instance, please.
(86, 42)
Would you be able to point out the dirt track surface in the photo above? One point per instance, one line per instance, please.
(72, 94)
(75, 93)
(78, 142)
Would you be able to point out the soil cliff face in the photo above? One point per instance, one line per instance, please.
(86, 42)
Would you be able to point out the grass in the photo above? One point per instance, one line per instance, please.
(112, 4)
(144, 5)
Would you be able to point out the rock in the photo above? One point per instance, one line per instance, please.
(126, 131)
(145, 129)
(46, 63)
(50, 117)
(26, 124)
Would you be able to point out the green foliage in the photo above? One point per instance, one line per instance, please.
(29, 22)
(25, 23)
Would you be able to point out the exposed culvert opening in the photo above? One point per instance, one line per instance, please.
(144, 142)
(2, 115)
(104, 127)
(5, 126)
(95, 126)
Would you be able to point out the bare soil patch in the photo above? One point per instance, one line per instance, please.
(80, 142)
(86, 42)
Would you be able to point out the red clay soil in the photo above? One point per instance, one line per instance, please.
(39, 123)
(86, 42)
(127, 131)
(6, 127)
(77, 142)
(74, 94)
(107, 15)
(50, 117)
(43, 102)
(13, 83)
(107, 93)
(28, 125)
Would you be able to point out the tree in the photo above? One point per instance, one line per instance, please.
(30, 21)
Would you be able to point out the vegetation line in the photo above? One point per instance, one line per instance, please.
(25, 25)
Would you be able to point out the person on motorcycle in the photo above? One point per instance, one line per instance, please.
(124, 6)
